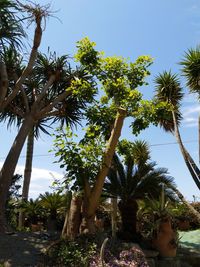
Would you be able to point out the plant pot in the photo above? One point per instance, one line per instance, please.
(165, 240)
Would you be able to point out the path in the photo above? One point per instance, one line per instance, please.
(21, 249)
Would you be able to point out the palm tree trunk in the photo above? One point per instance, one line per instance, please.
(114, 216)
(9, 166)
(191, 209)
(193, 169)
(73, 218)
(199, 136)
(107, 160)
(128, 210)
(27, 173)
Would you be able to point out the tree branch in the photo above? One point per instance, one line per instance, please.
(45, 88)
(29, 67)
(53, 103)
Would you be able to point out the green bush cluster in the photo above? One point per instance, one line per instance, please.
(73, 253)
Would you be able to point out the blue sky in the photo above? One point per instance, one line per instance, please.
(129, 28)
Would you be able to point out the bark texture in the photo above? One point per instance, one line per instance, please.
(9, 166)
(27, 173)
(73, 219)
(192, 167)
(93, 199)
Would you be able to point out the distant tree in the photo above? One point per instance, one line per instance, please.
(53, 204)
(168, 89)
(191, 70)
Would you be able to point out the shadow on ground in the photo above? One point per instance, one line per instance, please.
(21, 249)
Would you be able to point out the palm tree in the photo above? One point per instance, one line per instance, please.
(11, 29)
(45, 97)
(33, 210)
(191, 70)
(134, 178)
(168, 89)
(54, 204)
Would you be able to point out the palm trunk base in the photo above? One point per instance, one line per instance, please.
(73, 220)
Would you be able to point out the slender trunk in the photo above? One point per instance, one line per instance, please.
(9, 166)
(27, 173)
(199, 136)
(107, 160)
(187, 158)
(191, 209)
(3, 81)
(64, 230)
(114, 216)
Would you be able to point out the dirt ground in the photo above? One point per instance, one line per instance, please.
(22, 249)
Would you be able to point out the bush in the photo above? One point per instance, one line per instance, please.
(84, 251)
(74, 253)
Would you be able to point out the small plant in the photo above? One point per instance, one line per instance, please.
(73, 253)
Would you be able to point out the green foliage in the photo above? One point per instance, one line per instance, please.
(118, 77)
(82, 159)
(86, 54)
(54, 203)
(13, 201)
(134, 176)
(33, 210)
(138, 151)
(11, 30)
(74, 253)
(150, 112)
(151, 213)
(191, 69)
(168, 88)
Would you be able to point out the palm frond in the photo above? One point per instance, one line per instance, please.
(191, 69)
(168, 89)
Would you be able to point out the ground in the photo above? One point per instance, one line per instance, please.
(22, 249)
(25, 249)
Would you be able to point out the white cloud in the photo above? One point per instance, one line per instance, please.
(190, 116)
(40, 181)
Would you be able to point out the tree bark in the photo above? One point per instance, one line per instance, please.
(9, 166)
(27, 173)
(186, 156)
(107, 160)
(199, 136)
(114, 216)
(72, 221)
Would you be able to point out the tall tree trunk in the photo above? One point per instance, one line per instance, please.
(27, 173)
(199, 136)
(185, 202)
(114, 216)
(106, 163)
(73, 218)
(9, 166)
(193, 169)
